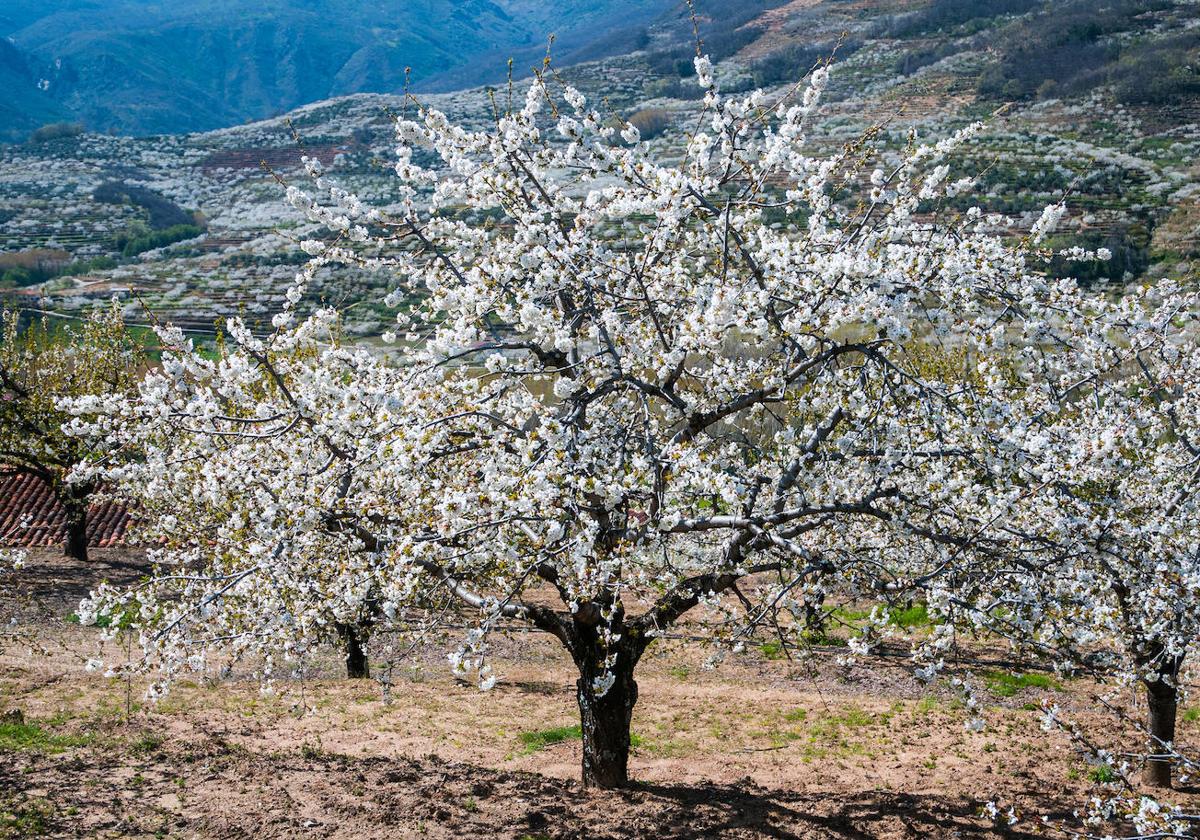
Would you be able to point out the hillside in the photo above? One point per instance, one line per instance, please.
(200, 230)
(24, 105)
(839, 372)
(138, 67)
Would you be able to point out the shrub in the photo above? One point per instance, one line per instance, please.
(1130, 248)
(674, 88)
(1070, 46)
(617, 42)
(56, 131)
(1159, 75)
(651, 122)
(723, 30)
(793, 63)
(138, 243)
(27, 268)
(948, 14)
(163, 212)
(914, 60)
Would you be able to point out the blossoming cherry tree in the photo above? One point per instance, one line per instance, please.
(629, 397)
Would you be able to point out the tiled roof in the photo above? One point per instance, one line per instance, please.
(30, 516)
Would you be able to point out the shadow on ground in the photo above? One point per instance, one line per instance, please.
(736, 811)
(231, 792)
(53, 584)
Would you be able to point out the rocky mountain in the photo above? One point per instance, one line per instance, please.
(145, 67)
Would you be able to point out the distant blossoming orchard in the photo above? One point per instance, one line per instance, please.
(627, 399)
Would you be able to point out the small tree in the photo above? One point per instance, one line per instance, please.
(239, 460)
(632, 399)
(40, 365)
(1127, 523)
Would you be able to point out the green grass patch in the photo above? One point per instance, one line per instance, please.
(850, 615)
(833, 735)
(927, 704)
(147, 743)
(771, 650)
(852, 718)
(30, 737)
(542, 738)
(680, 672)
(1102, 774)
(915, 616)
(1192, 715)
(663, 747)
(1005, 684)
(312, 751)
(25, 816)
(539, 739)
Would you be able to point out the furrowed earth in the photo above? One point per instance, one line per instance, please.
(760, 746)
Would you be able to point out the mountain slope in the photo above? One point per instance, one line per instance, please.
(143, 67)
(23, 104)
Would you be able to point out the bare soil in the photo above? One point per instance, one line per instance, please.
(756, 748)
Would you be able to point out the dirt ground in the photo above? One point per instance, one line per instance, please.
(757, 748)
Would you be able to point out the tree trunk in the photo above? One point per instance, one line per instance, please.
(75, 541)
(1163, 703)
(605, 722)
(353, 638)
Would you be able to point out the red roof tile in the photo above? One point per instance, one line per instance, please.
(30, 516)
